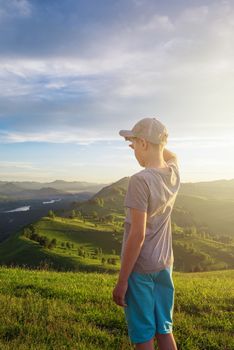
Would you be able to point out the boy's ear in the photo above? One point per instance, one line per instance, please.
(144, 142)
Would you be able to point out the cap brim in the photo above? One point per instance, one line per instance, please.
(127, 134)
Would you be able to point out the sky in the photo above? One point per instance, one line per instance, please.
(73, 73)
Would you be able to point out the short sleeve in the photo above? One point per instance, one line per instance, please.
(173, 161)
(137, 195)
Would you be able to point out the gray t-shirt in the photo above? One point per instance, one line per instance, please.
(154, 191)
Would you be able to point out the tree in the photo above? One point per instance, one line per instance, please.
(27, 232)
(73, 214)
(32, 227)
(101, 202)
(109, 218)
(79, 214)
(95, 214)
(53, 243)
(113, 261)
(35, 237)
(80, 251)
(44, 241)
(50, 246)
(51, 214)
(96, 251)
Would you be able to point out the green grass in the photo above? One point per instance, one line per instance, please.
(19, 250)
(75, 310)
(220, 254)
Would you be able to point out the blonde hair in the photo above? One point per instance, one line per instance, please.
(155, 146)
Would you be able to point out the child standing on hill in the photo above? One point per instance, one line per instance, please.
(145, 286)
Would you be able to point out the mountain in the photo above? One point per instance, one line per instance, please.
(218, 189)
(12, 192)
(207, 205)
(70, 186)
(9, 188)
(108, 200)
(202, 229)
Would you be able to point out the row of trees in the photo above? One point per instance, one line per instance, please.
(67, 245)
(30, 233)
(44, 241)
(111, 261)
(96, 255)
(194, 231)
(109, 218)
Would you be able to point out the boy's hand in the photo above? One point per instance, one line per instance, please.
(119, 293)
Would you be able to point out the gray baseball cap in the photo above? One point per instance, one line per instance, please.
(151, 129)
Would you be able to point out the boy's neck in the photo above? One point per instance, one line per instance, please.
(155, 163)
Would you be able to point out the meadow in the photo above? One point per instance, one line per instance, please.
(71, 236)
(61, 297)
(89, 245)
(45, 309)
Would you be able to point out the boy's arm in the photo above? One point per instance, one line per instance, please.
(168, 155)
(133, 244)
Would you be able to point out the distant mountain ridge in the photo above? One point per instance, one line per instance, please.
(202, 228)
(217, 189)
(206, 205)
(57, 184)
(29, 190)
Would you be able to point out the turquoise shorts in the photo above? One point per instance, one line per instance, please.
(150, 304)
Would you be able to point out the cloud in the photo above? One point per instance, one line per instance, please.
(14, 8)
(202, 143)
(84, 138)
(157, 23)
(196, 14)
(111, 66)
(78, 137)
(17, 165)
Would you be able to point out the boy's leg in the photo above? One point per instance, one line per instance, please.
(164, 303)
(139, 311)
(149, 345)
(166, 341)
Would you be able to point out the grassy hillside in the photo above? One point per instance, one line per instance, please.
(85, 236)
(215, 214)
(194, 252)
(85, 245)
(56, 310)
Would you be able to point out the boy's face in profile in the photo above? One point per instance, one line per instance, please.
(143, 149)
(139, 146)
